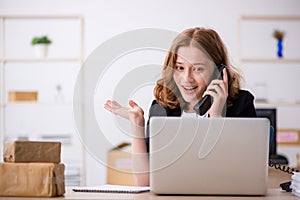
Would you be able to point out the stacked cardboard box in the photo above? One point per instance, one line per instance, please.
(32, 169)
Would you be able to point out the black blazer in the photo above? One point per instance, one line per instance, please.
(243, 106)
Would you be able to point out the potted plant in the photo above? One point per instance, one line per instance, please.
(279, 35)
(40, 45)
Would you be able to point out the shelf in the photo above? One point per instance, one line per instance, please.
(276, 104)
(36, 104)
(264, 26)
(270, 17)
(39, 17)
(272, 60)
(37, 120)
(40, 60)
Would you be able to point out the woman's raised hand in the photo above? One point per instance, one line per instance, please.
(135, 113)
(117, 109)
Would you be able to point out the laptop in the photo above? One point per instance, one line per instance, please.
(209, 156)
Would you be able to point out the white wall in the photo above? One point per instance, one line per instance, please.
(104, 19)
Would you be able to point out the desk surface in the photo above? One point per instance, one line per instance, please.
(274, 193)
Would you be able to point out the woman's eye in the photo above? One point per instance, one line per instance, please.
(180, 68)
(198, 69)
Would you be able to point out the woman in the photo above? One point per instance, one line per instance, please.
(189, 73)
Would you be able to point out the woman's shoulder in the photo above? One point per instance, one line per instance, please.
(244, 95)
(242, 105)
(158, 110)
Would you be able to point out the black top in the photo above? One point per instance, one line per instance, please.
(242, 107)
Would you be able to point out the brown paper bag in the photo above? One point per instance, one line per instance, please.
(32, 179)
(32, 151)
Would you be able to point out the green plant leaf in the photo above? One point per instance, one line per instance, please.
(41, 40)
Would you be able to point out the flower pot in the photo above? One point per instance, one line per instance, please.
(41, 50)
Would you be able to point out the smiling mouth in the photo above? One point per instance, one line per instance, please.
(189, 88)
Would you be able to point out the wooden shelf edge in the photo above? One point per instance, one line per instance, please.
(270, 17)
(272, 60)
(11, 16)
(36, 104)
(276, 104)
(40, 60)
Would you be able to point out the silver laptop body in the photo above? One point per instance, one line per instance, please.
(209, 156)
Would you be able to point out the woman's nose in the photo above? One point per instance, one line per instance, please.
(188, 75)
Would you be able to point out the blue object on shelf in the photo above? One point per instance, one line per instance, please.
(279, 48)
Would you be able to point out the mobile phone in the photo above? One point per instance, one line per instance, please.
(205, 103)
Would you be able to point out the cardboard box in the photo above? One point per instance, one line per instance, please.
(32, 179)
(32, 151)
(119, 169)
(14, 96)
(298, 160)
(288, 137)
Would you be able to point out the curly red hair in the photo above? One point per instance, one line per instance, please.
(208, 41)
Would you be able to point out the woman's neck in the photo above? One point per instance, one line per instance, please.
(190, 109)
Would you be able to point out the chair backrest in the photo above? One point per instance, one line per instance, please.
(270, 113)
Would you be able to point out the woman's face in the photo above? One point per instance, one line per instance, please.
(192, 73)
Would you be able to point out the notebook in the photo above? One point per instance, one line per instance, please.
(209, 156)
(112, 188)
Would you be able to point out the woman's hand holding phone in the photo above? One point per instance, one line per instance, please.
(218, 89)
